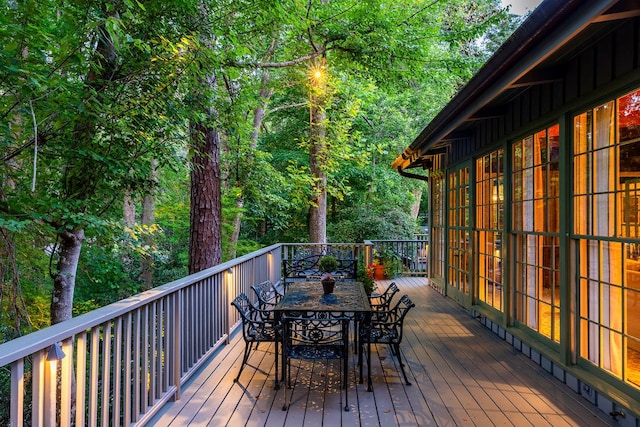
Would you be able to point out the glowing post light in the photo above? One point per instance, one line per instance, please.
(55, 353)
(318, 73)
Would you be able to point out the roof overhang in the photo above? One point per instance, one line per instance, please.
(521, 62)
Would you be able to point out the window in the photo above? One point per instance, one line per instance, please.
(437, 240)
(489, 224)
(606, 220)
(459, 229)
(535, 226)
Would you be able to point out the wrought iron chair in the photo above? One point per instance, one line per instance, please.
(257, 326)
(314, 339)
(382, 302)
(268, 295)
(386, 328)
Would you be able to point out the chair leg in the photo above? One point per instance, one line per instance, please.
(286, 375)
(245, 358)
(360, 361)
(285, 406)
(404, 374)
(369, 381)
(392, 349)
(345, 385)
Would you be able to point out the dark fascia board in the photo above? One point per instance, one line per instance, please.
(622, 10)
(552, 24)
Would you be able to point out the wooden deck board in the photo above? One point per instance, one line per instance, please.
(461, 375)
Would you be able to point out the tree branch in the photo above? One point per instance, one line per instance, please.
(285, 107)
(282, 64)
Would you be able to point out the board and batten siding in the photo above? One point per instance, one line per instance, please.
(592, 69)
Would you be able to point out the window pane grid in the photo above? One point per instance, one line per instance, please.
(489, 223)
(535, 224)
(458, 230)
(437, 238)
(606, 222)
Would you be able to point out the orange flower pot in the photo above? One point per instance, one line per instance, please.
(378, 272)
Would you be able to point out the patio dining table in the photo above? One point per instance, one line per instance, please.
(307, 299)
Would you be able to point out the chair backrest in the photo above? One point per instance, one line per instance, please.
(306, 267)
(403, 306)
(267, 294)
(315, 338)
(243, 304)
(389, 324)
(401, 309)
(383, 301)
(257, 325)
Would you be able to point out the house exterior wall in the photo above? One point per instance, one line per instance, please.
(552, 269)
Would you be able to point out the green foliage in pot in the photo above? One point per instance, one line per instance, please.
(328, 264)
(364, 278)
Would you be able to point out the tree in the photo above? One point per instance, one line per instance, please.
(319, 93)
(84, 97)
(95, 92)
(397, 46)
(205, 232)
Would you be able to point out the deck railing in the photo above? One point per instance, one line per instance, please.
(122, 362)
(409, 257)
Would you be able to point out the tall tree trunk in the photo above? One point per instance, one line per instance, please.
(205, 233)
(148, 218)
(317, 166)
(70, 241)
(128, 220)
(64, 279)
(205, 239)
(258, 117)
(128, 210)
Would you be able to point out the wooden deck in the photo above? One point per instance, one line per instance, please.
(462, 375)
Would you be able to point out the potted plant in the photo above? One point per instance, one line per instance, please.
(327, 265)
(376, 270)
(385, 264)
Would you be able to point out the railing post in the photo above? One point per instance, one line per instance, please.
(17, 389)
(37, 391)
(177, 356)
(67, 394)
(225, 297)
(50, 393)
(367, 252)
(269, 267)
(253, 273)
